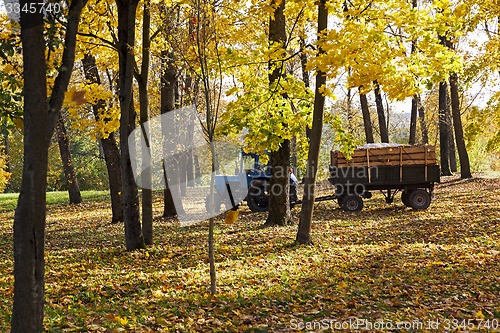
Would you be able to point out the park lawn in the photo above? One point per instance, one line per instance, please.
(8, 201)
(387, 265)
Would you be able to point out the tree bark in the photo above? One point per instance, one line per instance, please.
(366, 117)
(384, 134)
(444, 128)
(126, 39)
(465, 171)
(109, 146)
(306, 213)
(413, 120)
(423, 123)
(305, 73)
(279, 198)
(69, 170)
(167, 92)
(29, 219)
(146, 177)
(39, 124)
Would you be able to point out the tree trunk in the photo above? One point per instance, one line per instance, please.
(279, 196)
(451, 141)
(384, 134)
(112, 158)
(366, 117)
(279, 200)
(305, 73)
(39, 124)
(168, 104)
(146, 177)
(423, 124)
(109, 146)
(29, 219)
(415, 99)
(465, 171)
(444, 128)
(126, 39)
(413, 120)
(306, 213)
(69, 170)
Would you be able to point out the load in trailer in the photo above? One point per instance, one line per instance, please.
(411, 170)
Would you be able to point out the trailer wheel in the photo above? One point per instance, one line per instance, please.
(405, 198)
(352, 203)
(258, 198)
(420, 199)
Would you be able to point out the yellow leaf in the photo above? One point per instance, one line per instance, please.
(479, 315)
(342, 285)
(121, 320)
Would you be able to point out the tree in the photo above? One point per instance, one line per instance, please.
(168, 84)
(457, 124)
(384, 133)
(142, 80)
(69, 170)
(130, 194)
(108, 142)
(39, 124)
(306, 213)
(444, 129)
(279, 202)
(29, 219)
(366, 117)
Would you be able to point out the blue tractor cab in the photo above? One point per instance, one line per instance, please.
(250, 183)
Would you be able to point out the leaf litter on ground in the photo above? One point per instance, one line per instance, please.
(386, 263)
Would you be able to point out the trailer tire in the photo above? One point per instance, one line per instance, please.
(352, 203)
(420, 199)
(405, 198)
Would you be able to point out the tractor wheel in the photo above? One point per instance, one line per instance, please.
(420, 199)
(217, 205)
(352, 203)
(258, 198)
(405, 198)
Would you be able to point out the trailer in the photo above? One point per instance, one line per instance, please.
(390, 169)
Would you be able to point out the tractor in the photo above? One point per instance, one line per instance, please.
(250, 183)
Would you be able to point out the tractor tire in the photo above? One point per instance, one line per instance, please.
(352, 203)
(420, 199)
(258, 198)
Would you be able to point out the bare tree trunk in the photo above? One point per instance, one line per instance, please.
(306, 213)
(384, 134)
(444, 128)
(423, 123)
(305, 72)
(69, 170)
(366, 118)
(126, 38)
(39, 124)
(465, 171)
(168, 104)
(146, 177)
(29, 219)
(109, 146)
(279, 200)
(415, 99)
(413, 120)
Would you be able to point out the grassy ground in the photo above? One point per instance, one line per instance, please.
(8, 201)
(437, 270)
